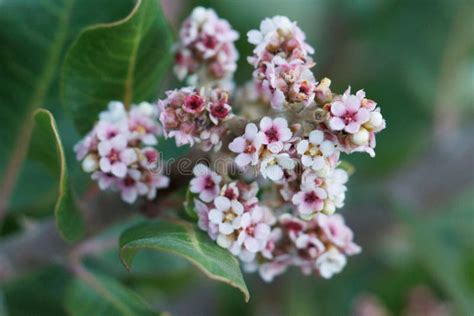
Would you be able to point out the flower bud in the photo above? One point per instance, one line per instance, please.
(361, 137)
(90, 163)
(329, 207)
(376, 119)
(225, 241)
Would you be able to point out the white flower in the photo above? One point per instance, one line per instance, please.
(315, 151)
(114, 114)
(330, 263)
(273, 166)
(226, 214)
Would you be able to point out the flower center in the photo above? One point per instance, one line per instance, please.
(209, 183)
(229, 215)
(250, 149)
(129, 181)
(193, 102)
(310, 197)
(272, 134)
(113, 156)
(230, 194)
(349, 117)
(210, 42)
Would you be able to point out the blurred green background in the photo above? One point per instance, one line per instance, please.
(411, 207)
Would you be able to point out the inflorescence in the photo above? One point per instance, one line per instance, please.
(291, 131)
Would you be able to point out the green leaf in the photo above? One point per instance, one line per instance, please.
(34, 35)
(39, 293)
(189, 207)
(96, 294)
(124, 61)
(183, 239)
(46, 147)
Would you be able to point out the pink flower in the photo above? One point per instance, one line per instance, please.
(347, 113)
(336, 231)
(227, 215)
(274, 133)
(206, 49)
(131, 186)
(309, 201)
(107, 131)
(246, 146)
(194, 104)
(268, 271)
(104, 180)
(116, 156)
(205, 182)
(87, 144)
(219, 110)
(149, 158)
(203, 219)
(154, 182)
(255, 232)
(288, 82)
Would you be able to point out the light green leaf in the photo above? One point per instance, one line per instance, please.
(46, 147)
(124, 61)
(183, 239)
(95, 294)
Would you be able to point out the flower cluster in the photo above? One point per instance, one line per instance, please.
(195, 116)
(206, 50)
(318, 246)
(231, 214)
(297, 153)
(118, 151)
(282, 62)
(355, 120)
(288, 139)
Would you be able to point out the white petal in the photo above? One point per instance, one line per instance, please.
(119, 169)
(222, 203)
(251, 244)
(274, 172)
(302, 147)
(104, 164)
(128, 156)
(316, 137)
(327, 148)
(104, 148)
(215, 216)
(225, 228)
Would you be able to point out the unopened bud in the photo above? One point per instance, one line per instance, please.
(90, 163)
(329, 207)
(361, 137)
(376, 119)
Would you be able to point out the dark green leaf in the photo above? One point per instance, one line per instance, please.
(46, 147)
(34, 35)
(39, 293)
(183, 239)
(124, 61)
(95, 294)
